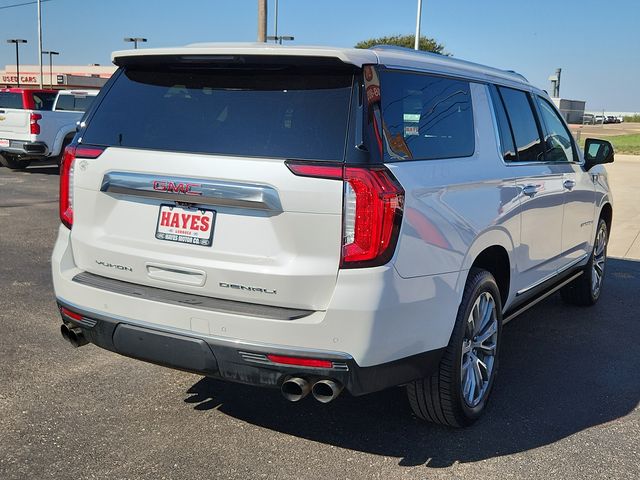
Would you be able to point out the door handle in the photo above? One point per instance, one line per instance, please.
(530, 190)
(569, 184)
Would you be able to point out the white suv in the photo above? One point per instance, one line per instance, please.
(314, 218)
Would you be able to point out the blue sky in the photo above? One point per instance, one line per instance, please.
(596, 42)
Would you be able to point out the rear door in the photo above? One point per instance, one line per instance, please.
(192, 192)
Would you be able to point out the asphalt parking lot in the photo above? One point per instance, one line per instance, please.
(565, 404)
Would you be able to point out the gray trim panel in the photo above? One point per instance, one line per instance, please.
(200, 302)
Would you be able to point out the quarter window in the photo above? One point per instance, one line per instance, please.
(425, 117)
(523, 124)
(504, 129)
(557, 138)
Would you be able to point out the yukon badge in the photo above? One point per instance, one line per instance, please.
(123, 268)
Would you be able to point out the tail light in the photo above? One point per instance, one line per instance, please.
(33, 123)
(372, 210)
(71, 153)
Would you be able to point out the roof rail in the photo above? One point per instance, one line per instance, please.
(448, 59)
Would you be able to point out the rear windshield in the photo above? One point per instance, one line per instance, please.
(74, 103)
(10, 100)
(283, 113)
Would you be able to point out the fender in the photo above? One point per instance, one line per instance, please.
(64, 131)
(494, 236)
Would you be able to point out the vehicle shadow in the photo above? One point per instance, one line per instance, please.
(564, 369)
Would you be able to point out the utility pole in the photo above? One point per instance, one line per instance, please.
(416, 44)
(262, 20)
(40, 39)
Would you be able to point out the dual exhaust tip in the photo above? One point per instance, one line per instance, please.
(73, 335)
(295, 389)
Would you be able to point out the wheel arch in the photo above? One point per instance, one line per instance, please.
(492, 251)
(606, 213)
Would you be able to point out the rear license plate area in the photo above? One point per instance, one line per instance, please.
(193, 226)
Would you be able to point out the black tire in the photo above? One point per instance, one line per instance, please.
(582, 291)
(12, 163)
(440, 398)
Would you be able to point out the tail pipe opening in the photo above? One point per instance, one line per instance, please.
(73, 335)
(295, 389)
(326, 390)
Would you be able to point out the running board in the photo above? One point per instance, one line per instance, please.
(536, 300)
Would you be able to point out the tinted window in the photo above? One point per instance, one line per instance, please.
(43, 100)
(10, 100)
(289, 113)
(426, 117)
(504, 129)
(523, 124)
(75, 103)
(557, 138)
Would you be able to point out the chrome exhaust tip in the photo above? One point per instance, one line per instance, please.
(73, 335)
(295, 389)
(326, 390)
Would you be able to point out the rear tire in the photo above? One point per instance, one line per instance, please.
(12, 163)
(456, 395)
(585, 290)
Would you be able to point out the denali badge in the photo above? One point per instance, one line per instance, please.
(235, 286)
(182, 188)
(124, 268)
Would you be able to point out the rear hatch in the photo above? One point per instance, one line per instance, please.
(192, 192)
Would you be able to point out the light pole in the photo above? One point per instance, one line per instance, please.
(275, 18)
(40, 39)
(416, 44)
(280, 38)
(135, 41)
(17, 41)
(51, 53)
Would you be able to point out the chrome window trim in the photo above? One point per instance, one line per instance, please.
(204, 192)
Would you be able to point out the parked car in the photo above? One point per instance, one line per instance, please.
(611, 119)
(600, 119)
(588, 119)
(317, 218)
(38, 124)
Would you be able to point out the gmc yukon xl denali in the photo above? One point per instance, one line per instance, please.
(316, 219)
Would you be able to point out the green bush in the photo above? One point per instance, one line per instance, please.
(632, 118)
(427, 44)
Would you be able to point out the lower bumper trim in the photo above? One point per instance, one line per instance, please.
(234, 360)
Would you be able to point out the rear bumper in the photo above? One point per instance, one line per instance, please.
(239, 361)
(26, 149)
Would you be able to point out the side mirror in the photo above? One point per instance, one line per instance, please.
(597, 152)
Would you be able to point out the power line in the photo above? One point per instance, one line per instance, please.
(21, 4)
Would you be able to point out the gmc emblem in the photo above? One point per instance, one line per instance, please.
(173, 187)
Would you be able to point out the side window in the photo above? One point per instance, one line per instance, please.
(504, 128)
(426, 117)
(43, 100)
(557, 138)
(523, 124)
